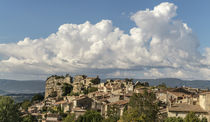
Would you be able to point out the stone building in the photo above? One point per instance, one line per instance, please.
(204, 102)
(182, 109)
(201, 108)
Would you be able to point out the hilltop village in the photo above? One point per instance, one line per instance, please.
(79, 94)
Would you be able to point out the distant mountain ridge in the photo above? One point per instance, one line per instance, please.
(175, 82)
(26, 86)
(2, 92)
(38, 86)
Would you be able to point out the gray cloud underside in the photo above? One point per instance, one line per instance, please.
(159, 46)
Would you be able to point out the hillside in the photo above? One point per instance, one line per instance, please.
(37, 86)
(14, 86)
(2, 92)
(174, 82)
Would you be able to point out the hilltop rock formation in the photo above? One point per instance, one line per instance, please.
(54, 85)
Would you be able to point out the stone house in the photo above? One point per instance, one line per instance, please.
(78, 111)
(204, 102)
(66, 106)
(201, 108)
(162, 96)
(178, 97)
(120, 104)
(82, 81)
(83, 102)
(129, 87)
(182, 109)
(53, 118)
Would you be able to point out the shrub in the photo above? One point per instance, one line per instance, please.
(66, 89)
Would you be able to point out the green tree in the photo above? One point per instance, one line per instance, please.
(143, 107)
(92, 89)
(89, 90)
(8, 110)
(74, 94)
(132, 115)
(90, 116)
(37, 97)
(70, 118)
(25, 104)
(66, 89)
(162, 86)
(53, 94)
(113, 113)
(97, 80)
(191, 117)
(29, 118)
(204, 119)
(174, 119)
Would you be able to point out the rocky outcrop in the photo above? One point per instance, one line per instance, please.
(54, 85)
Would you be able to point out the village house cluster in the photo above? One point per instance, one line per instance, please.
(88, 93)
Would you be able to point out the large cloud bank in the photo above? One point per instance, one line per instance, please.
(159, 46)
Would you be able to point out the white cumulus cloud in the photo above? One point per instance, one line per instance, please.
(159, 46)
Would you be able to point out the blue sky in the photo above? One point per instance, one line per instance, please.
(39, 18)
(164, 40)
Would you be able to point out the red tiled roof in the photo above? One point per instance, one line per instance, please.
(61, 102)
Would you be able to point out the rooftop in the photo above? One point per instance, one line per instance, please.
(120, 102)
(78, 109)
(179, 94)
(186, 108)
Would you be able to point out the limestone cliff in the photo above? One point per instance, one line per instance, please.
(54, 85)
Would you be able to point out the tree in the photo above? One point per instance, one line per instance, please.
(89, 90)
(97, 80)
(90, 116)
(143, 107)
(92, 89)
(53, 94)
(128, 80)
(204, 119)
(70, 118)
(132, 115)
(66, 89)
(174, 119)
(29, 118)
(25, 104)
(113, 113)
(8, 110)
(37, 97)
(191, 117)
(162, 85)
